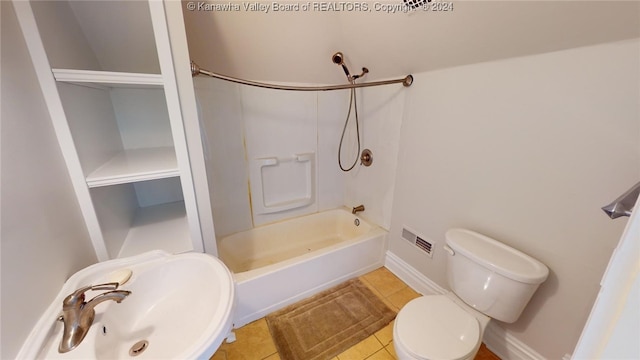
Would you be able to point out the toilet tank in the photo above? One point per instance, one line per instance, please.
(490, 276)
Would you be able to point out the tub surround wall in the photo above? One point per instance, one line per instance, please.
(525, 150)
(44, 239)
(220, 111)
(280, 125)
(332, 110)
(380, 111)
(242, 124)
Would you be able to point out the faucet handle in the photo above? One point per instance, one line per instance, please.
(77, 297)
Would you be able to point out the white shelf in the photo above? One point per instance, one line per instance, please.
(162, 227)
(108, 78)
(136, 165)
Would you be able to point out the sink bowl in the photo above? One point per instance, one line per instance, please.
(180, 307)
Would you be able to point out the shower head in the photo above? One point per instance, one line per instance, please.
(338, 59)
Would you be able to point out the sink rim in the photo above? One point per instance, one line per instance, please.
(213, 334)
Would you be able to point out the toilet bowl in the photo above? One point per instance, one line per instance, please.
(438, 327)
(488, 280)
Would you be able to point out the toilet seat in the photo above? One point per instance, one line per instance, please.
(434, 327)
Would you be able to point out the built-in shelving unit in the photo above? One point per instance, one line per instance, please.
(108, 78)
(161, 226)
(135, 165)
(122, 133)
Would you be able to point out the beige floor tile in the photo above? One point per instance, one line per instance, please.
(275, 356)
(361, 350)
(219, 355)
(385, 335)
(390, 305)
(400, 298)
(382, 354)
(253, 342)
(370, 286)
(391, 350)
(384, 281)
(379, 295)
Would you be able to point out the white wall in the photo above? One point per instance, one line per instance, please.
(43, 239)
(525, 150)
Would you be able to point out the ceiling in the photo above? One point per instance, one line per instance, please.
(296, 46)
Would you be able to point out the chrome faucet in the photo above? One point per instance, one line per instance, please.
(357, 209)
(78, 315)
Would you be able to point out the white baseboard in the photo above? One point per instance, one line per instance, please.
(415, 279)
(506, 346)
(500, 342)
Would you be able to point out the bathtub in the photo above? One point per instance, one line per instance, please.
(278, 264)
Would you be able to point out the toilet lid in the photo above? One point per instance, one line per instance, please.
(434, 327)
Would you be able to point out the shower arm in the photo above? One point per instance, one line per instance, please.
(196, 70)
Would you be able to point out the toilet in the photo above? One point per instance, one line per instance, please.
(488, 280)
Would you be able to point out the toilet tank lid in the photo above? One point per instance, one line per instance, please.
(497, 256)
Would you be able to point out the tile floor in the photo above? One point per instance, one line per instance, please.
(254, 340)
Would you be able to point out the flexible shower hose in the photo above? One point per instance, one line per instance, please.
(352, 102)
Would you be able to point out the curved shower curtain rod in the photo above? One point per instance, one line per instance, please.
(196, 70)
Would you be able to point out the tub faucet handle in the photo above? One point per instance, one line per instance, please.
(357, 209)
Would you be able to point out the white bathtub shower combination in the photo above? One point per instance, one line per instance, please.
(278, 264)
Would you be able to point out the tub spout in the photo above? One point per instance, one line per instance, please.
(623, 205)
(357, 209)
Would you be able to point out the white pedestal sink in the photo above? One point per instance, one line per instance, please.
(180, 305)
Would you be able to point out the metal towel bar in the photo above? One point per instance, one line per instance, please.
(623, 205)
